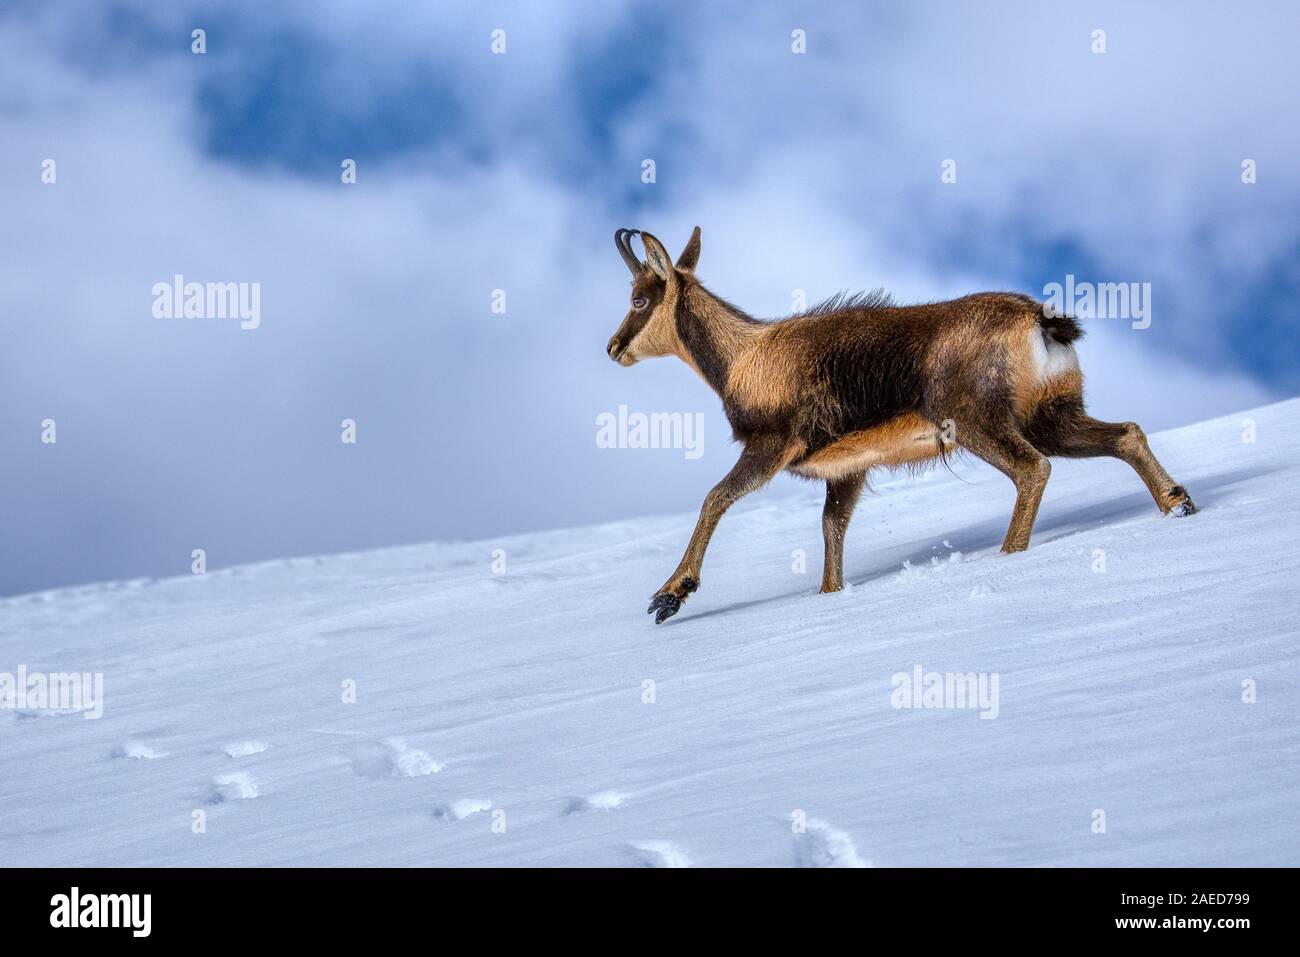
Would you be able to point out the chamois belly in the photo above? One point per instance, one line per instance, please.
(905, 440)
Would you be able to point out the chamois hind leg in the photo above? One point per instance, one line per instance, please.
(841, 497)
(1063, 428)
(762, 458)
(1015, 457)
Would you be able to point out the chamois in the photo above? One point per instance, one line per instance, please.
(859, 382)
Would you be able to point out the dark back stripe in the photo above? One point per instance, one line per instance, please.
(695, 331)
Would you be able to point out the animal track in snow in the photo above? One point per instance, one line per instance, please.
(936, 565)
(242, 749)
(459, 810)
(601, 801)
(235, 786)
(659, 854)
(27, 714)
(136, 750)
(391, 758)
(824, 846)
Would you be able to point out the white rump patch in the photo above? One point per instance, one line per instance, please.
(1050, 357)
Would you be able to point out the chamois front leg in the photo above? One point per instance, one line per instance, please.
(841, 498)
(762, 458)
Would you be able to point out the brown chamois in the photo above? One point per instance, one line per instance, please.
(859, 382)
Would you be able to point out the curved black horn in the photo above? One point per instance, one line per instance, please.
(622, 240)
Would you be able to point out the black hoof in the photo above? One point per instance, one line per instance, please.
(666, 606)
(1185, 507)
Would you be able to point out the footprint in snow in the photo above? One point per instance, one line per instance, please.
(242, 749)
(601, 801)
(659, 854)
(235, 786)
(824, 846)
(136, 750)
(32, 714)
(459, 810)
(391, 758)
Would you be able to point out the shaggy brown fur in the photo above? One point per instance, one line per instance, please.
(858, 382)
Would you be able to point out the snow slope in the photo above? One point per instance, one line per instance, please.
(1119, 692)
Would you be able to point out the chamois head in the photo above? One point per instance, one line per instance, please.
(649, 328)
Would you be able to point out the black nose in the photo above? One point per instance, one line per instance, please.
(613, 348)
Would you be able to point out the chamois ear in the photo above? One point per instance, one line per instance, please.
(657, 258)
(691, 254)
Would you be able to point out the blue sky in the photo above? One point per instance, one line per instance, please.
(477, 171)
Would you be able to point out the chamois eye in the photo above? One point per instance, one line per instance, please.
(638, 303)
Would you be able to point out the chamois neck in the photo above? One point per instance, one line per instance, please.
(712, 333)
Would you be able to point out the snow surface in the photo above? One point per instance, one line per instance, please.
(517, 699)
